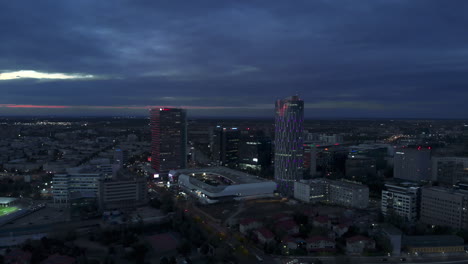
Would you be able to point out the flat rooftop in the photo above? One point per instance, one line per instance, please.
(236, 177)
(6, 200)
(432, 241)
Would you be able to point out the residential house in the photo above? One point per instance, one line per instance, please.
(322, 221)
(320, 243)
(288, 226)
(357, 244)
(18, 256)
(340, 229)
(264, 235)
(247, 224)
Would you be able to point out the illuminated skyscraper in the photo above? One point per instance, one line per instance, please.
(289, 140)
(168, 139)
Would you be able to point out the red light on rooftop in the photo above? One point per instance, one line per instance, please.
(317, 145)
(429, 148)
(337, 144)
(149, 158)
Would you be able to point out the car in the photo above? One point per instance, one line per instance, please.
(402, 259)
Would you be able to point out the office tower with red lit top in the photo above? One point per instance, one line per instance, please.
(289, 140)
(168, 139)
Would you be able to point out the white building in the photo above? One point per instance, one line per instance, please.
(217, 184)
(83, 180)
(402, 199)
(311, 191)
(349, 194)
(345, 193)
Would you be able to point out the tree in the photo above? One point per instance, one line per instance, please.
(155, 203)
(300, 218)
(384, 244)
(164, 260)
(222, 254)
(185, 248)
(464, 234)
(139, 251)
(173, 260)
(167, 203)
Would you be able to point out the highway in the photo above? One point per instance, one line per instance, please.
(380, 260)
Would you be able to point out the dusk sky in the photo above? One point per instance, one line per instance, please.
(351, 59)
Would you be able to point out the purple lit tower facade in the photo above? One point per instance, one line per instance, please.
(289, 125)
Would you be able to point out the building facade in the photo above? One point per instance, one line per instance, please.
(75, 181)
(311, 191)
(444, 207)
(412, 164)
(121, 193)
(168, 139)
(402, 200)
(310, 158)
(289, 121)
(254, 150)
(348, 194)
(344, 193)
(449, 170)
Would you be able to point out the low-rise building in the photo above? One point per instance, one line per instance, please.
(357, 244)
(340, 229)
(320, 243)
(288, 226)
(322, 221)
(281, 217)
(394, 235)
(220, 184)
(264, 235)
(248, 224)
(433, 244)
(290, 242)
(18, 256)
(59, 259)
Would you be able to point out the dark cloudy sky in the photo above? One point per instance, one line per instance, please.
(355, 58)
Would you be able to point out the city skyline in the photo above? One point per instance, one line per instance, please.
(379, 59)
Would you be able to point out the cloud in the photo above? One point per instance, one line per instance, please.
(342, 57)
(25, 74)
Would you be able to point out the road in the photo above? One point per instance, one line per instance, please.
(380, 260)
